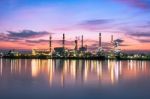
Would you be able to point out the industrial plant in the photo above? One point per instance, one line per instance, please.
(78, 52)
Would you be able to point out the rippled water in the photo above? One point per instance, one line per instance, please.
(74, 79)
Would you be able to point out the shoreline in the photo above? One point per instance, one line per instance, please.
(75, 58)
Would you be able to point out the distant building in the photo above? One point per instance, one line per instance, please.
(1, 54)
(40, 52)
(83, 49)
(12, 53)
(60, 51)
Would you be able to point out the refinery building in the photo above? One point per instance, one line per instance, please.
(78, 51)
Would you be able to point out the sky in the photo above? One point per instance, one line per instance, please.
(27, 24)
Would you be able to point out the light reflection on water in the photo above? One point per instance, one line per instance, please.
(74, 71)
(65, 73)
(80, 71)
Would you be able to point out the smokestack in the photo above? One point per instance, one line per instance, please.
(63, 42)
(76, 44)
(82, 42)
(112, 38)
(86, 47)
(50, 43)
(100, 42)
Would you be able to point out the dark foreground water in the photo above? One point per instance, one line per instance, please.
(74, 79)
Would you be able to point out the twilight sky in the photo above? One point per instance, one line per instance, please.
(27, 24)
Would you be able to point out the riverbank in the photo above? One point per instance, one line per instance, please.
(74, 58)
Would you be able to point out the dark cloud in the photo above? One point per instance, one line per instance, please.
(6, 38)
(96, 22)
(141, 34)
(141, 4)
(142, 37)
(135, 33)
(26, 34)
(119, 40)
(143, 40)
(12, 36)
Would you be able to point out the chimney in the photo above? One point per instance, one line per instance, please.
(100, 42)
(112, 38)
(76, 44)
(50, 43)
(63, 42)
(86, 47)
(82, 42)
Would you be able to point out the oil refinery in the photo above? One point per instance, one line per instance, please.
(78, 52)
(82, 51)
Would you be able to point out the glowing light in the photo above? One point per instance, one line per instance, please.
(50, 71)
(34, 68)
(86, 71)
(1, 66)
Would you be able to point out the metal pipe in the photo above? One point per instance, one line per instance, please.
(63, 42)
(76, 44)
(82, 42)
(50, 43)
(112, 38)
(100, 42)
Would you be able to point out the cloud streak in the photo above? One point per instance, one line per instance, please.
(144, 40)
(142, 37)
(26, 34)
(97, 22)
(21, 35)
(141, 4)
(141, 34)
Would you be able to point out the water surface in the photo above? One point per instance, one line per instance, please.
(74, 79)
